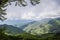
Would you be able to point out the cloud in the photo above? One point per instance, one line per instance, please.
(49, 9)
(46, 9)
(12, 16)
(29, 15)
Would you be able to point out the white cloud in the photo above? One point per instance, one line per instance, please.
(29, 15)
(46, 9)
(12, 16)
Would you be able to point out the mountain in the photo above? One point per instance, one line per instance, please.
(11, 30)
(55, 25)
(38, 27)
(25, 25)
(47, 25)
(16, 23)
(44, 26)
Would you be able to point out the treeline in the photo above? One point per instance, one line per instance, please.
(26, 36)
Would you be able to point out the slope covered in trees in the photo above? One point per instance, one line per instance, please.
(27, 36)
(44, 26)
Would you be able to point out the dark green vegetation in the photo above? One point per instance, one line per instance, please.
(11, 30)
(26, 36)
(47, 29)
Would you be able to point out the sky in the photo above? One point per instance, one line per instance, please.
(46, 9)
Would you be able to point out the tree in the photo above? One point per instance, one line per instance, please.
(4, 3)
(2, 11)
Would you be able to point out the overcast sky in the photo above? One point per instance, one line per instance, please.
(46, 9)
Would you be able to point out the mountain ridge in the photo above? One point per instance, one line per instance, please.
(44, 26)
(11, 30)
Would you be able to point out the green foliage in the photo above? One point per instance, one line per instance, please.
(24, 3)
(27, 36)
(2, 11)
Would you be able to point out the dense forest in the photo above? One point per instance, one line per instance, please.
(27, 36)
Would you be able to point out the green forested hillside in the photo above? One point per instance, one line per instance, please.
(44, 26)
(11, 30)
(27, 36)
(36, 31)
